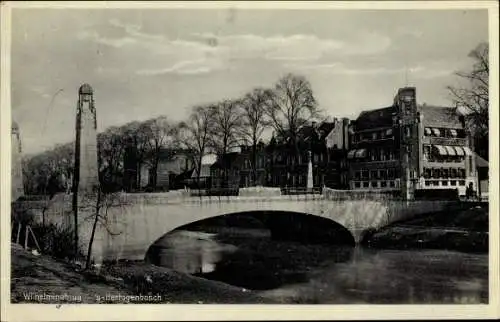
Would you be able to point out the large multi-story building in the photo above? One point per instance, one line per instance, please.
(324, 144)
(409, 148)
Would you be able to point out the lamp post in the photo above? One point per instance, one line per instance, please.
(310, 182)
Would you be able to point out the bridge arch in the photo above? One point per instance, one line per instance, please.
(281, 225)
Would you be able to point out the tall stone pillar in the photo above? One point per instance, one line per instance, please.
(86, 176)
(17, 188)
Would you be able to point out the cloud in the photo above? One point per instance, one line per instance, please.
(428, 71)
(187, 67)
(113, 42)
(202, 53)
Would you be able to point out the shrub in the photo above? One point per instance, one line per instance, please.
(56, 241)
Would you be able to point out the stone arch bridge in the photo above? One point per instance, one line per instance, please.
(136, 221)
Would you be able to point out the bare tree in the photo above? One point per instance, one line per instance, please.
(135, 131)
(254, 121)
(99, 205)
(111, 152)
(473, 95)
(194, 135)
(160, 133)
(226, 121)
(292, 106)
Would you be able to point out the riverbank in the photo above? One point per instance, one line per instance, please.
(463, 230)
(42, 279)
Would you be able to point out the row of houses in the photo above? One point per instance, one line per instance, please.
(405, 148)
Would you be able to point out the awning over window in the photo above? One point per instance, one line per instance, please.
(436, 132)
(388, 132)
(351, 154)
(361, 153)
(453, 132)
(450, 150)
(459, 150)
(428, 131)
(441, 150)
(467, 151)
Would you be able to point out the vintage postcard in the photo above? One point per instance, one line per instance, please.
(238, 160)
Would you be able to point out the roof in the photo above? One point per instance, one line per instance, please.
(85, 89)
(205, 171)
(326, 128)
(440, 116)
(381, 117)
(480, 162)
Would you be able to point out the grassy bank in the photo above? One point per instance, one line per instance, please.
(462, 230)
(35, 278)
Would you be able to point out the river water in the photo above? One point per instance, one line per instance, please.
(291, 272)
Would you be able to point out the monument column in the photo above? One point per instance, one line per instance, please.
(86, 178)
(17, 188)
(86, 173)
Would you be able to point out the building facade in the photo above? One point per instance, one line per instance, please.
(409, 149)
(325, 144)
(171, 163)
(253, 172)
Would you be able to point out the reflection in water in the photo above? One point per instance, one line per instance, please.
(188, 251)
(296, 273)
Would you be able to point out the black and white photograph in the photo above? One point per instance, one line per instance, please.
(249, 155)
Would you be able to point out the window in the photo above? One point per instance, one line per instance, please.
(427, 173)
(382, 154)
(453, 173)
(470, 165)
(383, 184)
(366, 184)
(453, 183)
(427, 152)
(461, 182)
(373, 155)
(435, 183)
(373, 174)
(390, 173)
(374, 184)
(374, 135)
(365, 174)
(408, 131)
(392, 184)
(444, 182)
(391, 154)
(382, 134)
(382, 174)
(427, 182)
(357, 185)
(357, 175)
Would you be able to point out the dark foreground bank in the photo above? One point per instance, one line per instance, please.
(463, 230)
(42, 279)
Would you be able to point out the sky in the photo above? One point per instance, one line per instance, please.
(144, 63)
